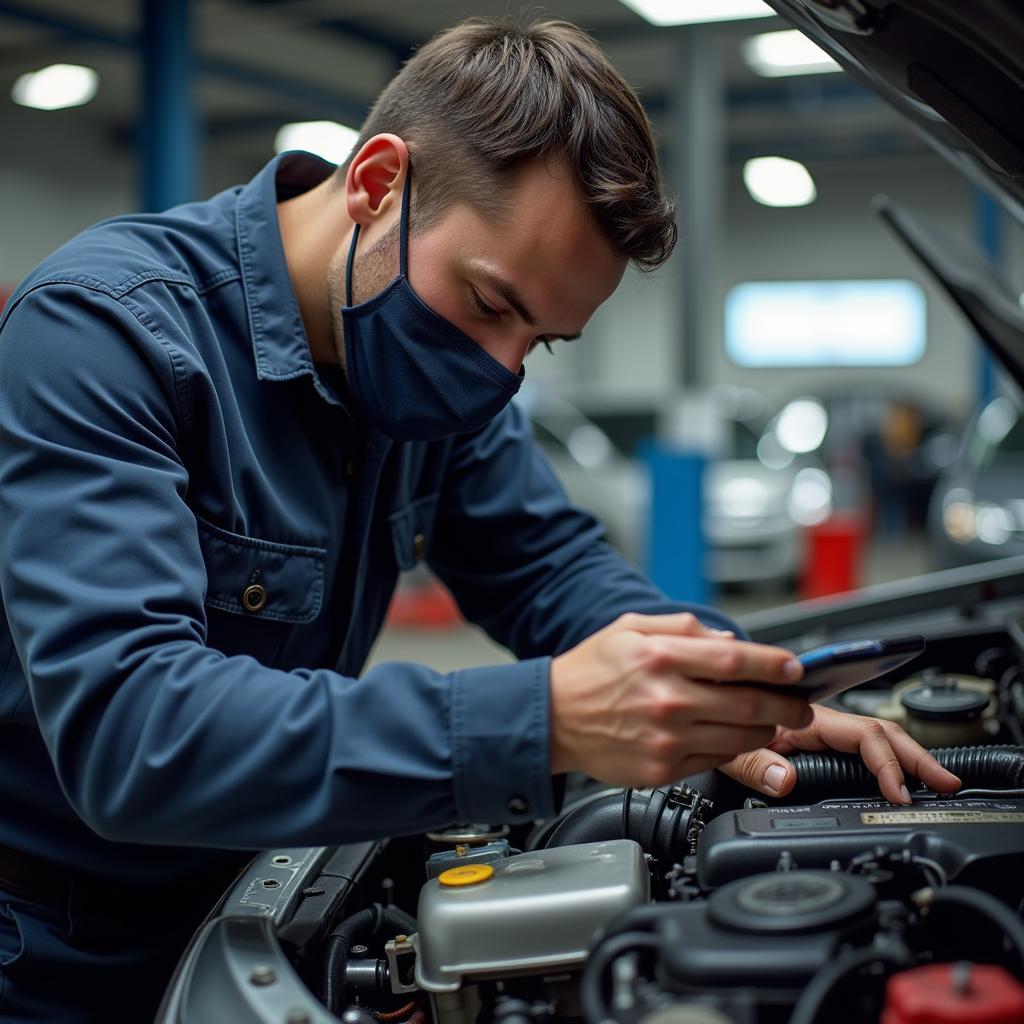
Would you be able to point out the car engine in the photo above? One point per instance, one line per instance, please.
(697, 903)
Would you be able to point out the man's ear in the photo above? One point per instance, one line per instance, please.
(375, 178)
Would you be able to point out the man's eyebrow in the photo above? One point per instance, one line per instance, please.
(508, 292)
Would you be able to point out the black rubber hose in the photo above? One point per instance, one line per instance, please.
(651, 818)
(813, 998)
(598, 820)
(539, 836)
(833, 774)
(592, 984)
(960, 897)
(366, 923)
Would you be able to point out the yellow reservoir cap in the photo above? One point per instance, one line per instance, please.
(466, 874)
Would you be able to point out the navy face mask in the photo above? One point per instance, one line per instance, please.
(414, 375)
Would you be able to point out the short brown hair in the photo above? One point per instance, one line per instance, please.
(481, 98)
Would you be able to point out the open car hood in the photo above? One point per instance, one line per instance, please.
(982, 291)
(955, 70)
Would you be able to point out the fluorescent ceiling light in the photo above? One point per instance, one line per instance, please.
(55, 87)
(775, 54)
(328, 139)
(688, 12)
(776, 181)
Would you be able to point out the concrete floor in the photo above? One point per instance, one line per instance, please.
(466, 646)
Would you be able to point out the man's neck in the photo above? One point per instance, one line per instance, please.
(312, 225)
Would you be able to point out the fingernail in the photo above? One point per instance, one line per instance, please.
(905, 793)
(774, 777)
(723, 632)
(792, 669)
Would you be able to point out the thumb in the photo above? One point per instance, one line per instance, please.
(764, 770)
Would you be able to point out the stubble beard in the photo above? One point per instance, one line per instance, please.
(372, 272)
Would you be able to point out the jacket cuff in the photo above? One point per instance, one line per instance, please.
(501, 756)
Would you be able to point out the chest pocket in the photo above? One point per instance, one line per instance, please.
(411, 530)
(257, 591)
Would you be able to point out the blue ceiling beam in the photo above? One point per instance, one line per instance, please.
(333, 103)
(73, 27)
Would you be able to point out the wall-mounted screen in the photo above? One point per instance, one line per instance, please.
(825, 323)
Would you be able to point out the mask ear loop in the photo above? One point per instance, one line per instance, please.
(348, 265)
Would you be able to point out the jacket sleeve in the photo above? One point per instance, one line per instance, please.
(154, 736)
(525, 564)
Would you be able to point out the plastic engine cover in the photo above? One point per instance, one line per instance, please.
(537, 912)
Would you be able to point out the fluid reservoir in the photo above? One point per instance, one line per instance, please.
(533, 913)
(941, 710)
(960, 993)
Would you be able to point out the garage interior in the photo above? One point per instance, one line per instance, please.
(789, 411)
(190, 99)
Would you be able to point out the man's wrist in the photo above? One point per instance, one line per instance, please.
(562, 758)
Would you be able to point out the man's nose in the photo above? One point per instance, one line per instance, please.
(509, 351)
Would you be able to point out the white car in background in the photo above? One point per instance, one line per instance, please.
(759, 494)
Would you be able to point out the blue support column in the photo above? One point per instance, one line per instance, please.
(168, 125)
(676, 548)
(988, 227)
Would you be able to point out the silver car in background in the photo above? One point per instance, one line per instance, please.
(759, 494)
(977, 509)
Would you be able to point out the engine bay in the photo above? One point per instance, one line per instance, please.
(697, 903)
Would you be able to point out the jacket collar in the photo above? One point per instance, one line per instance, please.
(278, 336)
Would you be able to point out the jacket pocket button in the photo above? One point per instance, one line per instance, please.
(517, 805)
(254, 597)
(419, 545)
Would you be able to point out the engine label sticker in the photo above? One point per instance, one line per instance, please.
(943, 817)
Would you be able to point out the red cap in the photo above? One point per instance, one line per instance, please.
(960, 993)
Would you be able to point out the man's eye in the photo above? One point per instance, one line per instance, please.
(482, 308)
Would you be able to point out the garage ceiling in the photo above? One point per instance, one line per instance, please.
(265, 62)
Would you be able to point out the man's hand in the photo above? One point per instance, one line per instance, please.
(886, 749)
(637, 703)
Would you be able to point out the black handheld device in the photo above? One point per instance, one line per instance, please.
(835, 667)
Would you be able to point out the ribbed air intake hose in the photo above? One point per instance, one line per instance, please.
(832, 774)
(659, 820)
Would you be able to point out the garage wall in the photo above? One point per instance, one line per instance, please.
(838, 236)
(50, 191)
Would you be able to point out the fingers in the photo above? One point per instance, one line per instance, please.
(719, 658)
(886, 750)
(707, 746)
(741, 706)
(726, 740)
(916, 760)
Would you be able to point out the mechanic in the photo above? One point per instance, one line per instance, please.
(224, 429)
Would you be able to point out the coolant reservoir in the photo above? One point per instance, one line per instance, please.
(943, 710)
(528, 914)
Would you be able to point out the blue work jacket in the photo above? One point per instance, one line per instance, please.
(198, 545)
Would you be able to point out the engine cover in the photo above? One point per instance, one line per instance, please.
(538, 912)
(774, 930)
(974, 841)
